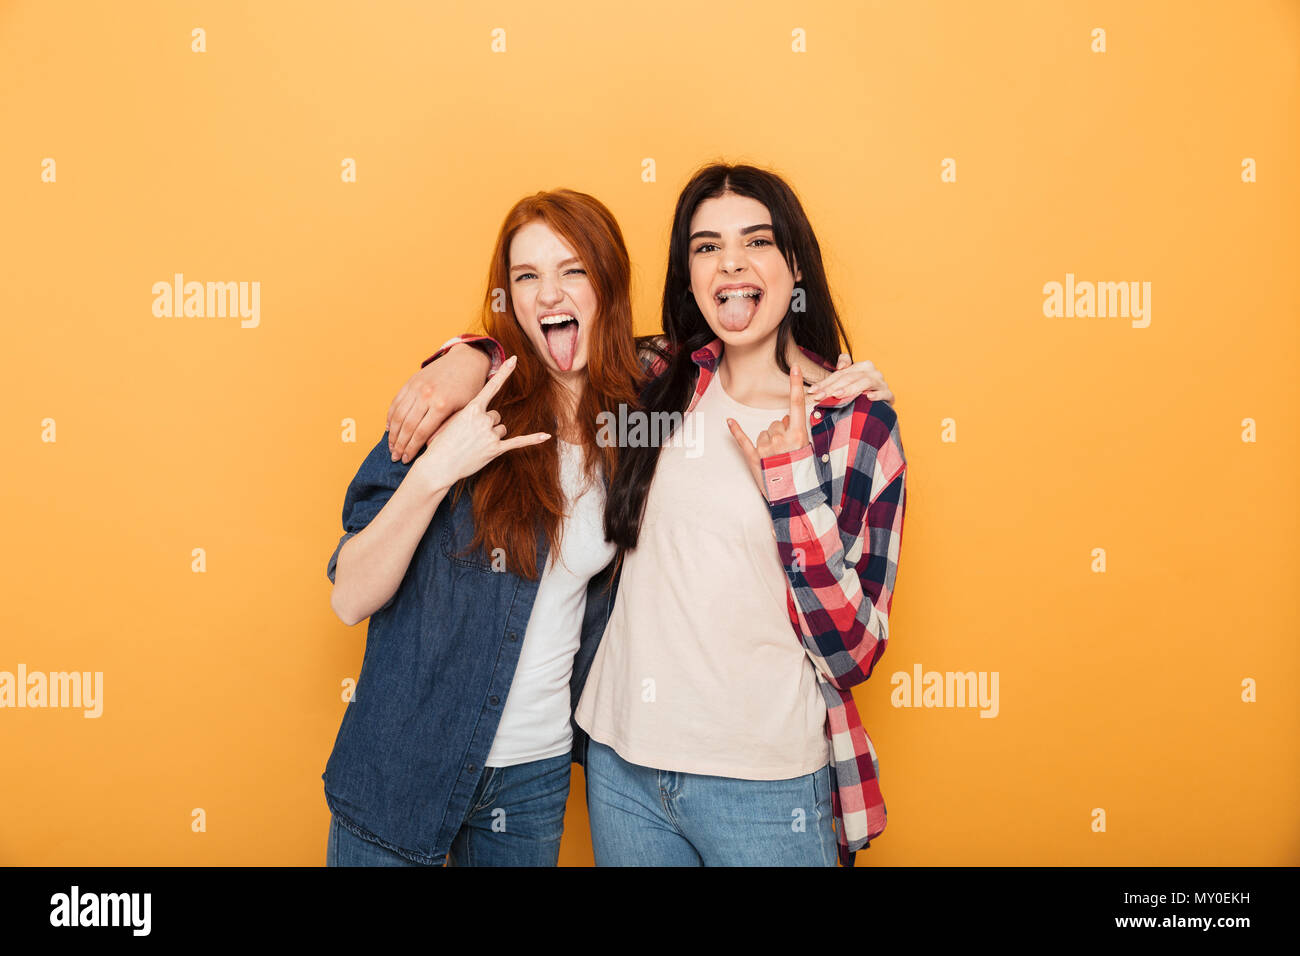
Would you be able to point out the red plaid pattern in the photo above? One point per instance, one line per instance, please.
(837, 506)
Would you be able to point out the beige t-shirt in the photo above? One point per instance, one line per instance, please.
(700, 670)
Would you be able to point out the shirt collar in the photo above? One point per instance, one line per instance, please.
(708, 356)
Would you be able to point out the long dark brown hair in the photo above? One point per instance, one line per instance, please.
(518, 496)
(817, 327)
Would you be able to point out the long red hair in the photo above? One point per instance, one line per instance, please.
(517, 496)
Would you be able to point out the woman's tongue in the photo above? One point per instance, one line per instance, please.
(736, 312)
(562, 342)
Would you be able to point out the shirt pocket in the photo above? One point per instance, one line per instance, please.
(457, 533)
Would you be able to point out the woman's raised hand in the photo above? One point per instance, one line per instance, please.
(790, 433)
(472, 437)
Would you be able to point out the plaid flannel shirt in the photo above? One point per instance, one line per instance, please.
(837, 509)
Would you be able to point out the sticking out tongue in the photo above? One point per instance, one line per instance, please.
(735, 313)
(562, 341)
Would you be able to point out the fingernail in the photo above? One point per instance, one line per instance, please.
(394, 458)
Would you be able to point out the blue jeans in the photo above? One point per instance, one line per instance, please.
(516, 818)
(645, 817)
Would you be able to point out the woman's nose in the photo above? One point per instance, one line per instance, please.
(733, 259)
(550, 291)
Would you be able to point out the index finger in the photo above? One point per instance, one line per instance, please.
(798, 410)
(797, 395)
(493, 385)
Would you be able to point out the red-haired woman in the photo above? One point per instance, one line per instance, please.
(483, 567)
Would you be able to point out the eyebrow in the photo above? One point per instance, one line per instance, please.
(526, 265)
(703, 234)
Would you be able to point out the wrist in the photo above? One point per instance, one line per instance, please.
(435, 478)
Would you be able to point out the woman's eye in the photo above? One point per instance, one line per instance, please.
(581, 272)
(704, 246)
(524, 275)
(766, 242)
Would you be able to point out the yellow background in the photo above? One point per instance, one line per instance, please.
(1119, 691)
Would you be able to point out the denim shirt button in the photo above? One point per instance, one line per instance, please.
(513, 637)
(470, 767)
(494, 700)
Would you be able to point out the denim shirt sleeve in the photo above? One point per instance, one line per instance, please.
(374, 483)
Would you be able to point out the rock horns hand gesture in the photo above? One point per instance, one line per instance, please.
(790, 433)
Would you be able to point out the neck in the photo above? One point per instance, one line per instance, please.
(751, 376)
(569, 393)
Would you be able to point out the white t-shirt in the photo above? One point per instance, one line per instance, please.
(700, 670)
(535, 722)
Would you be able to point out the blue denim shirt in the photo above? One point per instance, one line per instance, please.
(440, 657)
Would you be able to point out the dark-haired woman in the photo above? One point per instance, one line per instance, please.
(717, 735)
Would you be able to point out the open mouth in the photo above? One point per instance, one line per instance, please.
(561, 333)
(737, 307)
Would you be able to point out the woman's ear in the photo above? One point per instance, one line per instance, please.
(798, 276)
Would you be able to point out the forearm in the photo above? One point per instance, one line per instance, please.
(841, 624)
(373, 562)
(470, 344)
(844, 601)
(479, 356)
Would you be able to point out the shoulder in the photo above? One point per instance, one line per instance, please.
(869, 432)
(654, 353)
(880, 420)
(871, 423)
(378, 472)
